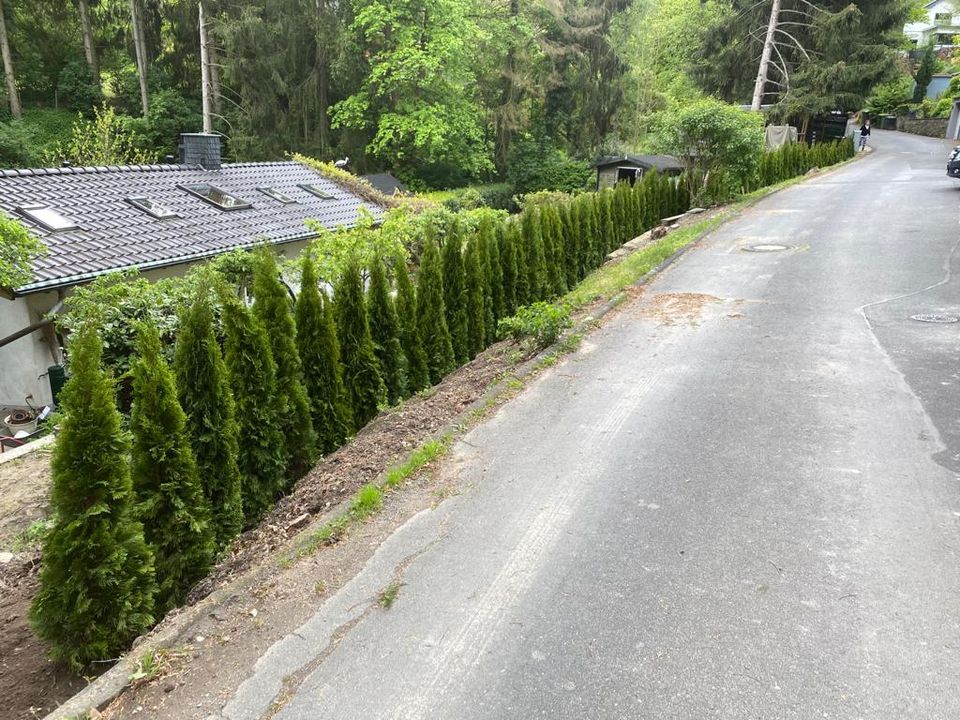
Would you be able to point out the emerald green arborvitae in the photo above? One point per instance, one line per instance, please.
(418, 374)
(606, 219)
(262, 452)
(534, 257)
(507, 241)
(455, 293)
(320, 355)
(204, 393)
(273, 308)
(431, 315)
(476, 290)
(597, 239)
(96, 579)
(361, 369)
(492, 278)
(170, 502)
(385, 333)
(555, 250)
(571, 243)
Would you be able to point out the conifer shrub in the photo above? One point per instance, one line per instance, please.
(571, 244)
(417, 372)
(542, 322)
(455, 293)
(521, 249)
(492, 277)
(273, 309)
(361, 369)
(556, 255)
(203, 390)
(262, 451)
(506, 243)
(97, 581)
(319, 351)
(608, 231)
(170, 502)
(385, 333)
(534, 257)
(432, 316)
(476, 315)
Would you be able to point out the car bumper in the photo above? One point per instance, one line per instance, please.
(953, 169)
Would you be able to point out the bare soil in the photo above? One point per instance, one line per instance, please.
(31, 685)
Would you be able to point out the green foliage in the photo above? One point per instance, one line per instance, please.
(361, 370)
(492, 276)
(507, 239)
(476, 281)
(542, 322)
(97, 576)
(924, 73)
(455, 292)
(204, 394)
(262, 455)
(104, 139)
(385, 333)
(274, 309)
(417, 372)
(334, 251)
(170, 502)
(18, 249)
(320, 353)
(534, 268)
(432, 315)
(536, 164)
(367, 501)
(890, 98)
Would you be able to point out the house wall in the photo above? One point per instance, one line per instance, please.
(607, 176)
(24, 362)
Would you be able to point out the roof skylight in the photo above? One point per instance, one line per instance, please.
(46, 216)
(216, 197)
(318, 191)
(151, 207)
(277, 195)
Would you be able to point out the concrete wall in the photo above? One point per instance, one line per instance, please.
(930, 127)
(24, 361)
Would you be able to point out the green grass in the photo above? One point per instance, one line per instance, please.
(32, 538)
(426, 453)
(389, 595)
(366, 502)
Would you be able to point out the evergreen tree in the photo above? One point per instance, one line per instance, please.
(320, 353)
(419, 375)
(204, 393)
(96, 579)
(385, 333)
(571, 244)
(476, 286)
(534, 256)
(553, 229)
(455, 293)
(523, 293)
(361, 370)
(432, 316)
(170, 502)
(274, 310)
(262, 455)
(492, 234)
(506, 242)
(608, 232)
(598, 240)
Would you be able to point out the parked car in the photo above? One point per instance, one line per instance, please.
(953, 163)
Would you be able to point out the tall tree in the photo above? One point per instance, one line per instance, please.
(455, 292)
(320, 353)
(170, 502)
(97, 578)
(9, 74)
(138, 31)
(474, 296)
(432, 316)
(419, 375)
(273, 308)
(89, 41)
(204, 393)
(385, 333)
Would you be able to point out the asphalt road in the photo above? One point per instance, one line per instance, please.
(739, 500)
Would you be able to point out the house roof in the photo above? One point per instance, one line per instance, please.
(113, 235)
(647, 162)
(385, 183)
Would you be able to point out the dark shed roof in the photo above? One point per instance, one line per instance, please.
(386, 183)
(114, 235)
(662, 163)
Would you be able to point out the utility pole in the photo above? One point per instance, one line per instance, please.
(205, 89)
(13, 94)
(765, 57)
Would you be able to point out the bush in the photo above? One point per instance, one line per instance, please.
(431, 315)
(16, 145)
(535, 164)
(542, 322)
(385, 333)
(18, 248)
(76, 84)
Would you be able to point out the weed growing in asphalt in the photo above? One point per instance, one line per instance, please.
(389, 595)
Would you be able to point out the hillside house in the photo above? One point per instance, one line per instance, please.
(614, 169)
(158, 219)
(941, 25)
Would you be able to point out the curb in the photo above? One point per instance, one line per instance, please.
(107, 687)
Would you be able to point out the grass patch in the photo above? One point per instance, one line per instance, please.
(151, 665)
(388, 595)
(426, 453)
(32, 538)
(366, 502)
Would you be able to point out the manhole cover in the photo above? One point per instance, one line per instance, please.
(932, 318)
(766, 247)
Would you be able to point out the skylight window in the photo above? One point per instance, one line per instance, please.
(318, 191)
(277, 195)
(217, 197)
(151, 207)
(46, 216)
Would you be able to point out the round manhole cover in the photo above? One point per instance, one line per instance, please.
(934, 318)
(766, 247)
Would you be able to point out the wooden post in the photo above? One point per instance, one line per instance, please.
(765, 57)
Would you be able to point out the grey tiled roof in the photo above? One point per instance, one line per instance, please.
(114, 235)
(660, 162)
(385, 183)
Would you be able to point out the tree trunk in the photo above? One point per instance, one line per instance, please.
(13, 94)
(206, 90)
(765, 57)
(323, 80)
(140, 49)
(89, 46)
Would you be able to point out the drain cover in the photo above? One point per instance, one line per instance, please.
(927, 318)
(766, 247)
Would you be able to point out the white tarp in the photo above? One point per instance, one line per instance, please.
(780, 135)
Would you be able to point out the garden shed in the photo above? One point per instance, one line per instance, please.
(614, 169)
(158, 219)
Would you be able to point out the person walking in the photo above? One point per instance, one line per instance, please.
(864, 134)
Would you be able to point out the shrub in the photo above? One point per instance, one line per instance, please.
(170, 503)
(205, 397)
(476, 290)
(535, 164)
(385, 333)
(506, 243)
(18, 249)
(17, 149)
(534, 256)
(97, 578)
(432, 316)
(273, 308)
(455, 292)
(417, 372)
(542, 322)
